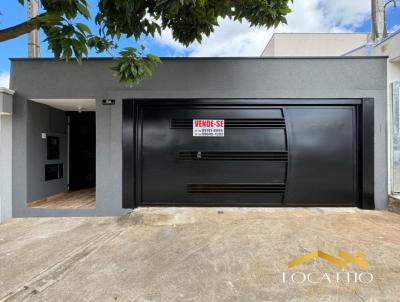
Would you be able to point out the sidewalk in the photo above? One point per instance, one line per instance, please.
(220, 255)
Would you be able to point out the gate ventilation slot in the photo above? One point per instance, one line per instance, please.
(177, 123)
(281, 156)
(236, 188)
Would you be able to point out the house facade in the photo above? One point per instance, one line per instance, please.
(201, 132)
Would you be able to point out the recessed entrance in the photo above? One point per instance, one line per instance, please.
(65, 166)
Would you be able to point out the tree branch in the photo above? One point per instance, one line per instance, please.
(18, 30)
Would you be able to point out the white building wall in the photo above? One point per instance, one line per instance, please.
(389, 47)
(5, 154)
(312, 44)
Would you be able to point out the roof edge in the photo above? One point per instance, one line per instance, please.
(6, 90)
(213, 58)
(320, 33)
(269, 42)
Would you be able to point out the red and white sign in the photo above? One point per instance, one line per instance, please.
(208, 128)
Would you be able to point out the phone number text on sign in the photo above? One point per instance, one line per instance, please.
(208, 128)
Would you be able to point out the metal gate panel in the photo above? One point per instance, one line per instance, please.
(273, 153)
(245, 167)
(322, 156)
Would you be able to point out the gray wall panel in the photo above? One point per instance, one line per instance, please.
(19, 159)
(44, 119)
(108, 156)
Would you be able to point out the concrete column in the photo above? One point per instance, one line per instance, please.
(378, 26)
(5, 154)
(33, 36)
(395, 143)
(108, 157)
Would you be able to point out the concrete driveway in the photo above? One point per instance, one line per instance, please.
(203, 255)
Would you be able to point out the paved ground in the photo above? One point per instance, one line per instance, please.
(200, 255)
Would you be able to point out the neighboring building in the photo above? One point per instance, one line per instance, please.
(312, 44)
(294, 135)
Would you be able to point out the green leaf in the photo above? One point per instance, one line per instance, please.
(83, 10)
(53, 18)
(134, 71)
(154, 58)
(83, 28)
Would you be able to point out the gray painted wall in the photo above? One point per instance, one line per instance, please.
(53, 122)
(185, 78)
(5, 102)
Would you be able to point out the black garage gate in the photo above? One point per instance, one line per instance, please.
(267, 153)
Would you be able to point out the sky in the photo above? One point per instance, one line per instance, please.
(229, 39)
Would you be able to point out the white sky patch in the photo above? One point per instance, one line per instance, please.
(239, 39)
(4, 79)
(394, 28)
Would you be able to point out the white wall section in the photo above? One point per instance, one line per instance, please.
(5, 154)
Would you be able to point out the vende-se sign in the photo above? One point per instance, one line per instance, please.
(208, 128)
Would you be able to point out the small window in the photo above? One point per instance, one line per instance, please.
(54, 171)
(53, 147)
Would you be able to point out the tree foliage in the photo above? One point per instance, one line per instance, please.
(188, 20)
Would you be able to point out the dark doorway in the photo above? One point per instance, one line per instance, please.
(82, 150)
